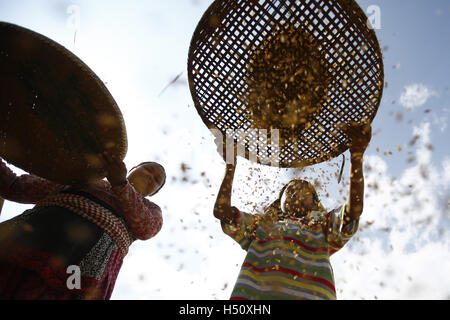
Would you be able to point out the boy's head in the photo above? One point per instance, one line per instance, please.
(298, 198)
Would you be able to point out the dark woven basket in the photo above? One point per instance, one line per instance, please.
(302, 67)
(56, 114)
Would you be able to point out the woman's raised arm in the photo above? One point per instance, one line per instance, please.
(26, 189)
(222, 208)
(360, 137)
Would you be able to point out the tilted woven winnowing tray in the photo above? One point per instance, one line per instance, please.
(302, 67)
(56, 115)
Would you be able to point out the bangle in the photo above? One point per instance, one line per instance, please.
(237, 214)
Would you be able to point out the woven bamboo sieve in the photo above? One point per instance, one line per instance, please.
(302, 67)
(57, 115)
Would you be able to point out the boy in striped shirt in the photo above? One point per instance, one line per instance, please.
(289, 246)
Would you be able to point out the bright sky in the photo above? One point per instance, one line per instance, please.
(402, 250)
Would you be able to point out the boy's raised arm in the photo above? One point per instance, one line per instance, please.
(222, 208)
(360, 138)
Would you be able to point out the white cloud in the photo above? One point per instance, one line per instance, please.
(423, 153)
(402, 250)
(416, 95)
(441, 120)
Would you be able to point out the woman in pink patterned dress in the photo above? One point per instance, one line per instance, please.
(71, 245)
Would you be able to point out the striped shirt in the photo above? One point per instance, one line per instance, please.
(289, 259)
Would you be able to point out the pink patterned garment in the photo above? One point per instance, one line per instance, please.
(143, 217)
(29, 274)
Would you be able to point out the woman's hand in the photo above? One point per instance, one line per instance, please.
(116, 170)
(1, 204)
